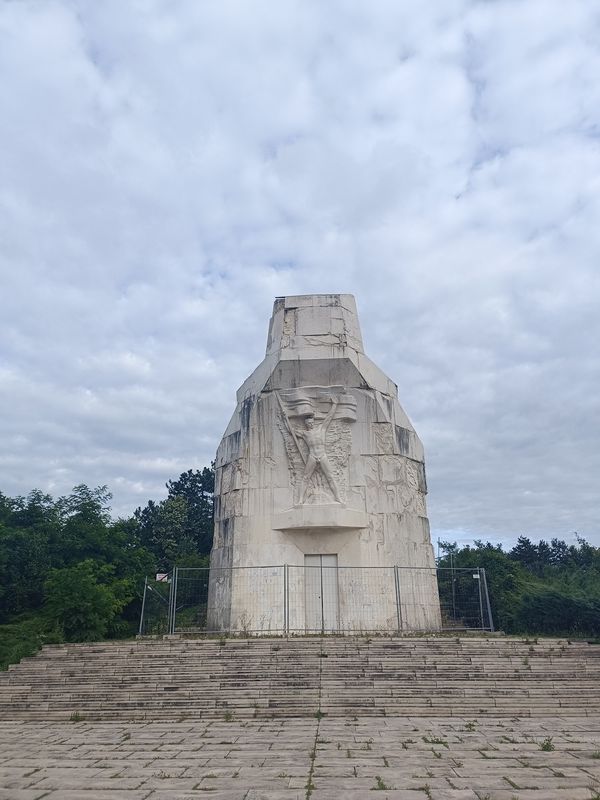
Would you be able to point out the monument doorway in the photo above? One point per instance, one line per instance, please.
(321, 593)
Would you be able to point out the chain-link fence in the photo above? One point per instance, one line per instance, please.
(318, 597)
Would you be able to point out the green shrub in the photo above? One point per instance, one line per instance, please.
(24, 637)
(83, 601)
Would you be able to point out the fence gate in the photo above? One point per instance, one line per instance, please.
(322, 606)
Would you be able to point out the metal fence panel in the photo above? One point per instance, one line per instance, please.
(464, 599)
(244, 599)
(154, 619)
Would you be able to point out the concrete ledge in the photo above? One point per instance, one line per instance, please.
(332, 515)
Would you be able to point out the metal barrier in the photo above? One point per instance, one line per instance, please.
(156, 606)
(315, 599)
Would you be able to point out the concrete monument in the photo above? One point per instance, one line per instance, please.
(321, 470)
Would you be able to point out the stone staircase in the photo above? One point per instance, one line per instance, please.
(190, 679)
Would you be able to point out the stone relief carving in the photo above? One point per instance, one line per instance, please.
(384, 438)
(315, 424)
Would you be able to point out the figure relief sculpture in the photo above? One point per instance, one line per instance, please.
(314, 436)
(316, 431)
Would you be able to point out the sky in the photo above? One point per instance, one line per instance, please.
(169, 167)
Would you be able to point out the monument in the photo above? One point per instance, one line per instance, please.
(320, 516)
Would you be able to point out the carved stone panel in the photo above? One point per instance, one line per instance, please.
(315, 424)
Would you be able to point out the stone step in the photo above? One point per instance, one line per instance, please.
(175, 678)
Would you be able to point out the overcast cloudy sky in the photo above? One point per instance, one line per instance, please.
(168, 167)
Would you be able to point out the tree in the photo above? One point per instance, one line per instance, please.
(197, 488)
(526, 553)
(84, 600)
(29, 531)
(70, 571)
(538, 588)
(181, 526)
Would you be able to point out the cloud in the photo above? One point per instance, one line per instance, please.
(168, 168)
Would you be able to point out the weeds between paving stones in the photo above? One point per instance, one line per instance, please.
(547, 745)
(379, 785)
(435, 740)
(310, 787)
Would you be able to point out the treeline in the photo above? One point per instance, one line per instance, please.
(545, 588)
(69, 572)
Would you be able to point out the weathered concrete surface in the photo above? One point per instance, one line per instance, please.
(400, 758)
(320, 461)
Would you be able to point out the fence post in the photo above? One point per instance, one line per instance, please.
(480, 597)
(172, 602)
(141, 628)
(453, 585)
(322, 599)
(176, 582)
(398, 601)
(170, 605)
(487, 599)
(285, 599)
